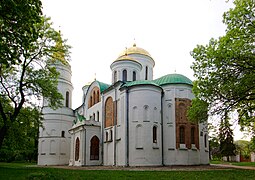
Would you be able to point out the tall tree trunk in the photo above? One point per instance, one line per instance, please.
(3, 132)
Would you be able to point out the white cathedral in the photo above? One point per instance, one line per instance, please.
(135, 121)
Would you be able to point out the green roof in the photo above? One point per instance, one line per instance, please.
(102, 86)
(140, 82)
(164, 80)
(173, 79)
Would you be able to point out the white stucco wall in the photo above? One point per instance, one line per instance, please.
(147, 102)
(129, 66)
(144, 61)
(53, 149)
(53, 146)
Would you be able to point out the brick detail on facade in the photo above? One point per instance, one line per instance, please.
(109, 112)
(94, 96)
(181, 107)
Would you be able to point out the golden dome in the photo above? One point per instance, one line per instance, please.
(135, 50)
(125, 57)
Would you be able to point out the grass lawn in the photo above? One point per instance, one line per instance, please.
(234, 163)
(244, 164)
(22, 171)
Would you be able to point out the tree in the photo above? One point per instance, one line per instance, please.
(225, 68)
(227, 146)
(17, 19)
(243, 148)
(198, 111)
(21, 141)
(31, 76)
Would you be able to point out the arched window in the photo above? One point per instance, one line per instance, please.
(182, 135)
(115, 77)
(124, 75)
(91, 101)
(205, 140)
(146, 73)
(97, 115)
(94, 116)
(62, 133)
(94, 97)
(134, 76)
(67, 99)
(109, 112)
(77, 149)
(98, 99)
(192, 135)
(154, 134)
(94, 148)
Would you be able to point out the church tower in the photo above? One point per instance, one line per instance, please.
(54, 138)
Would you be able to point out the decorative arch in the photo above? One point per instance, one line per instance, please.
(94, 97)
(63, 147)
(139, 136)
(156, 117)
(109, 112)
(77, 149)
(135, 114)
(186, 131)
(53, 132)
(146, 113)
(53, 147)
(94, 148)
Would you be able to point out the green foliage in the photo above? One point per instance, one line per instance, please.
(243, 148)
(17, 19)
(227, 146)
(29, 47)
(225, 68)
(198, 111)
(21, 141)
(214, 146)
